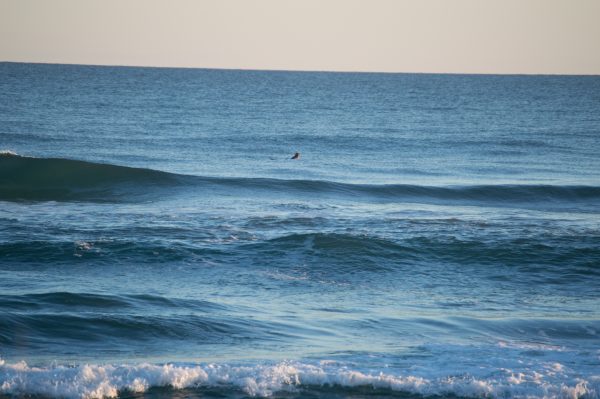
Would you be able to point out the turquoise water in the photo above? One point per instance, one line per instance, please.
(439, 235)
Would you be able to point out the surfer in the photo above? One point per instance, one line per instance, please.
(296, 156)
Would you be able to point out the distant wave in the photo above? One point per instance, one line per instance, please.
(310, 379)
(57, 179)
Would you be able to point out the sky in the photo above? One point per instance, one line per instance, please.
(445, 36)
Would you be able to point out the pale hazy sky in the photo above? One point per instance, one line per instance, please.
(468, 36)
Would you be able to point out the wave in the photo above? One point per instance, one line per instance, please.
(151, 251)
(87, 301)
(567, 256)
(125, 330)
(57, 179)
(325, 378)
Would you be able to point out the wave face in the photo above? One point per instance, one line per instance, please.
(55, 179)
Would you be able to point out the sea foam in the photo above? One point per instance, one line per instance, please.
(263, 380)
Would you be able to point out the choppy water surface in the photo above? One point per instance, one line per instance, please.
(440, 235)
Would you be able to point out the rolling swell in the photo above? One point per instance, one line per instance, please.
(56, 179)
(125, 331)
(68, 252)
(343, 252)
(64, 300)
(337, 255)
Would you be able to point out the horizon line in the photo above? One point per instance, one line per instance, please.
(298, 70)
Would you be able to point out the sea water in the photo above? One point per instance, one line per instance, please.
(439, 235)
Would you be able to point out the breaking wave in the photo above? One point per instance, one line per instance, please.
(305, 379)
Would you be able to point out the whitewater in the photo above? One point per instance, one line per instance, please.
(438, 237)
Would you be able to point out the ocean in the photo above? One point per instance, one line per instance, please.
(439, 235)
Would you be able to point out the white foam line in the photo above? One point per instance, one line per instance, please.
(99, 381)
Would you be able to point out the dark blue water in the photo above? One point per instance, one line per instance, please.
(439, 235)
